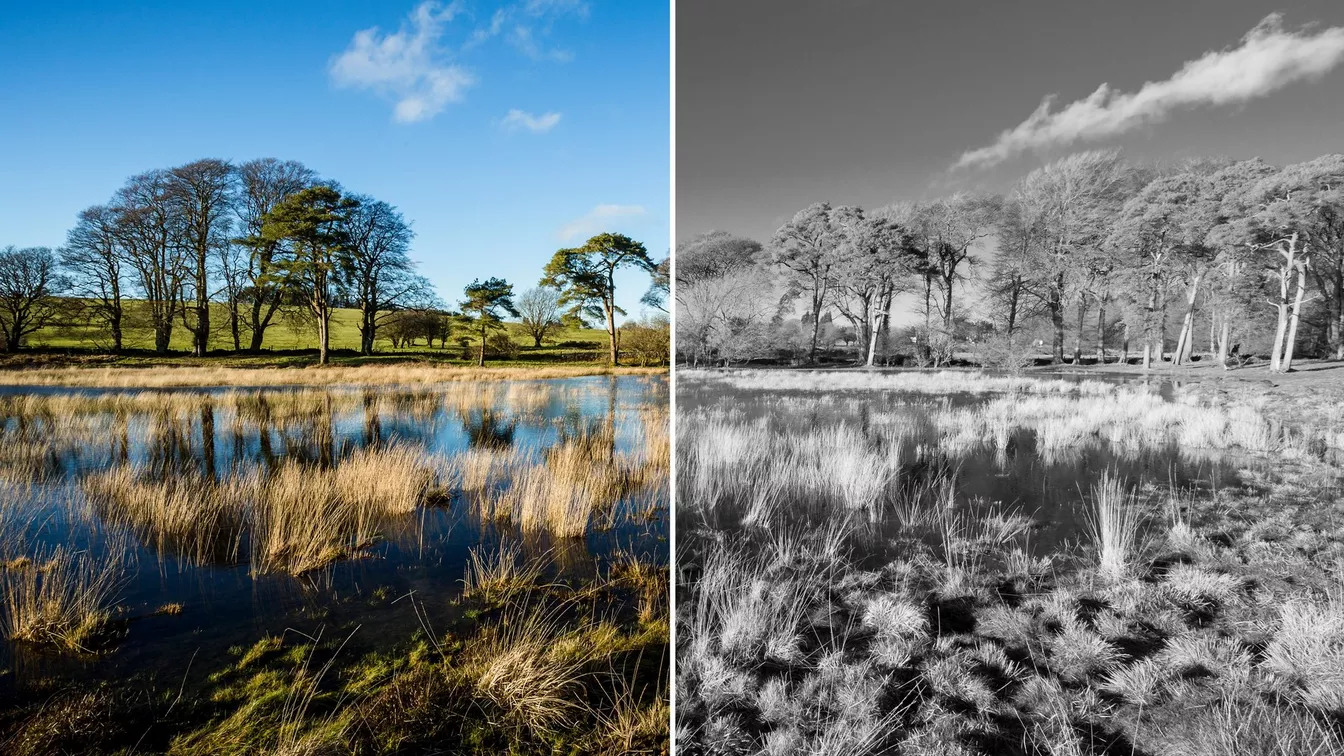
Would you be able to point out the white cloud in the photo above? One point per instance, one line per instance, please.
(409, 67)
(537, 124)
(1268, 58)
(525, 42)
(527, 27)
(598, 220)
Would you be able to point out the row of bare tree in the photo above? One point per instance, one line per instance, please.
(1087, 239)
(260, 238)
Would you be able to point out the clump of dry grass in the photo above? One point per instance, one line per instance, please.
(304, 518)
(64, 599)
(1306, 655)
(526, 675)
(299, 524)
(1115, 521)
(579, 476)
(299, 517)
(393, 479)
(633, 728)
(500, 574)
(648, 578)
(183, 513)
(652, 461)
(25, 460)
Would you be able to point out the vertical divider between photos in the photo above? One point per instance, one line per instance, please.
(672, 374)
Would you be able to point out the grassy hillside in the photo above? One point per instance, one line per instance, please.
(294, 341)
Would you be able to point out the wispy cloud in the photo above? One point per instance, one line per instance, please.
(598, 220)
(522, 120)
(411, 66)
(527, 26)
(1267, 59)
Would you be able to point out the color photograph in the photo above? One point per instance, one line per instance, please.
(334, 395)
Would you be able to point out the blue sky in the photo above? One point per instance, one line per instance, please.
(503, 131)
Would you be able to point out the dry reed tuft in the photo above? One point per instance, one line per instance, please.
(499, 575)
(66, 602)
(393, 479)
(579, 476)
(184, 513)
(1115, 521)
(520, 670)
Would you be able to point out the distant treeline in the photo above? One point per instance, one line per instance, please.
(269, 239)
(1116, 255)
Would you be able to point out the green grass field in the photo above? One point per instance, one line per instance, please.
(294, 342)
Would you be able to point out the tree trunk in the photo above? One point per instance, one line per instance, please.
(1101, 331)
(258, 329)
(1056, 307)
(611, 337)
(1078, 337)
(481, 362)
(12, 337)
(1280, 329)
(1213, 327)
(367, 331)
(201, 334)
(162, 338)
(1185, 345)
(886, 327)
(1339, 309)
(949, 319)
(1223, 337)
(926, 347)
(876, 317)
(323, 338)
(1162, 325)
(1296, 317)
(816, 328)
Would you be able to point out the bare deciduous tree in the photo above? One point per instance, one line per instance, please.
(29, 285)
(92, 258)
(151, 235)
(540, 312)
(201, 193)
(379, 274)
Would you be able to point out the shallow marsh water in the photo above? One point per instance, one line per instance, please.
(1014, 473)
(407, 581)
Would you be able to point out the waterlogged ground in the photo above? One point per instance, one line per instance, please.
(199, 582)
(1016, 472)
(965, 563)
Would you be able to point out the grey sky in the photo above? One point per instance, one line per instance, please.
(865, 102)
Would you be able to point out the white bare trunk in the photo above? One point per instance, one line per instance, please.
(1296, 316)
(1276, 357)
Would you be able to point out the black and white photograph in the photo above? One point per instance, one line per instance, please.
(1009, 410)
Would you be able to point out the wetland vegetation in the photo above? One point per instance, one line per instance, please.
(966, 563)
(452, 566)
